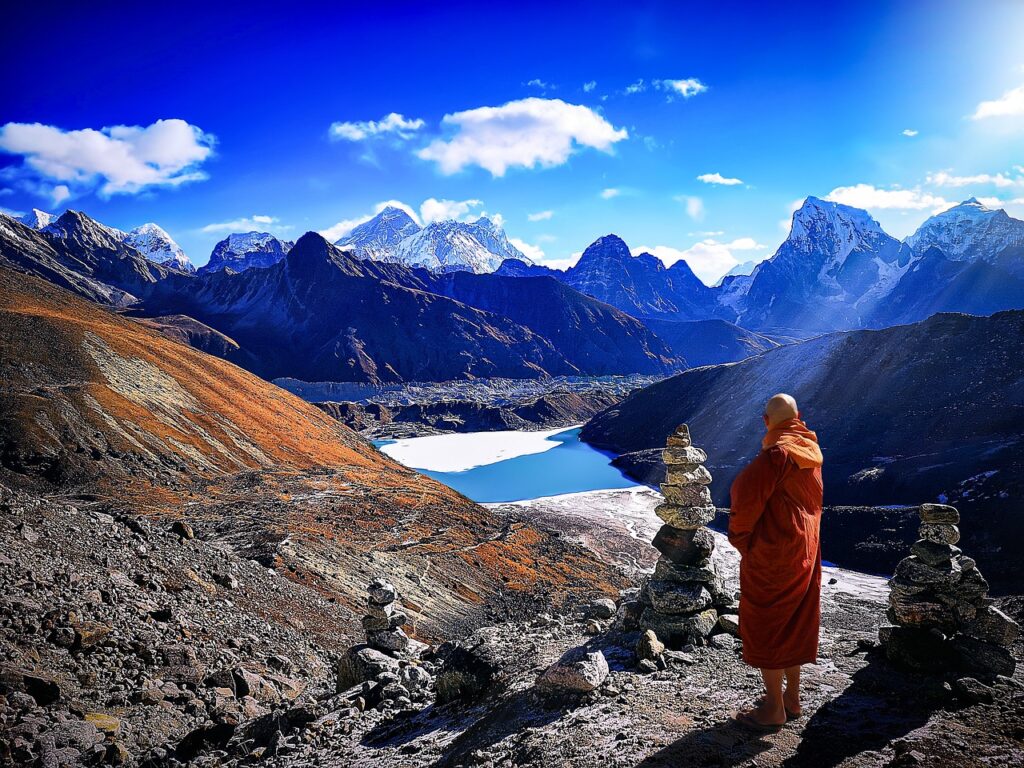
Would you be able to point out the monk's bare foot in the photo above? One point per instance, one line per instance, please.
(792, 704)
(763, 714)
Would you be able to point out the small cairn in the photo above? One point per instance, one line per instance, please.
(683, 599)
(941, 614)
(384, 618)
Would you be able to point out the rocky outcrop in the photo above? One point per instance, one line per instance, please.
(939, 607)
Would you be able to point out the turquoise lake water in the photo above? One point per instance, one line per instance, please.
(570, 467)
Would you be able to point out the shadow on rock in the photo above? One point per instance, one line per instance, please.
(882, 704)
(725, 744)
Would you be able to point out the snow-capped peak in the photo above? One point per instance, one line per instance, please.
(156, 245)
(841, 226)
(246, 250)
(376, 238)
(970, 230)
(37, 219)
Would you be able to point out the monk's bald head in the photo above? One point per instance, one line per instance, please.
(780, 408)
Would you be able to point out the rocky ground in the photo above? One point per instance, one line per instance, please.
(125, 641)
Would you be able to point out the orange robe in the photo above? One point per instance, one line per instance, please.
(774, 523)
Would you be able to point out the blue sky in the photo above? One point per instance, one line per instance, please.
(567, 120)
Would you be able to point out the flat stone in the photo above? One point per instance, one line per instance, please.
(939, 513)
(687, 495)
(649, 646)
(382, 592)
(388, 640)
(687, 474)
(391, 620)
(685, 517)
(89, 634)
(723, 642)
(920, 613)
(578, 671)
(682, 546)
(913, 570)
(675, 455)
(939, 533)
(972, 586)
(993, 626)
(933, 553)
(703, 573)
(973, 690)
(670, 597)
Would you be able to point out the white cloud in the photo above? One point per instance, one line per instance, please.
(394, 123)
(532, 252)
(120, 158)
(694, 206)
(438, 210)
(564, 263)
(638, 87)
(258, 223)
(526, 133)
(1009, 104)
(538, 83)
(909, 132)
(709, 259)
(686, 88)
(717, 178)
(60, 193)
(869, 197)
(943, 179)
(610, 192)
(588, 87)
(540, 216)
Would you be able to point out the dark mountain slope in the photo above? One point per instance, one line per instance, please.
(709, 342)
(83, 258)
(593, 336)
(905, 415)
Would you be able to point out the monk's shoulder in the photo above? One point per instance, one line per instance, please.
(776, 456)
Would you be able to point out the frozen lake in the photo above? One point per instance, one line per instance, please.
(491, 467)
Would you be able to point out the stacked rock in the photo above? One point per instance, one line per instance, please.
(683, 599)
(939, 607)
(384, 618)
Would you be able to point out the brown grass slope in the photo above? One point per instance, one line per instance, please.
(100, 408)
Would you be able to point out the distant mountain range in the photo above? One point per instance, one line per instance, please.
(442, 246)
(492, 313)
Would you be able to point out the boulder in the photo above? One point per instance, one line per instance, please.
(920, 612)
(627, 618)
(602, 608)
(578, 671)
(678, 630)
(361, 663)
(986, 658)
(682, 546)
(649, 646)
(729, 622)
(89, 634)
(703, 573)
(685, 517)
(939, 513)
(687, 495)
(475, 667)
(993, 626)
(915, 571)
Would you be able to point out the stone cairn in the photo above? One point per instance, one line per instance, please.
(942, 617)
(685, 597)
(384, 618)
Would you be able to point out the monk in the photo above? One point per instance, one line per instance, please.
(776, 512)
